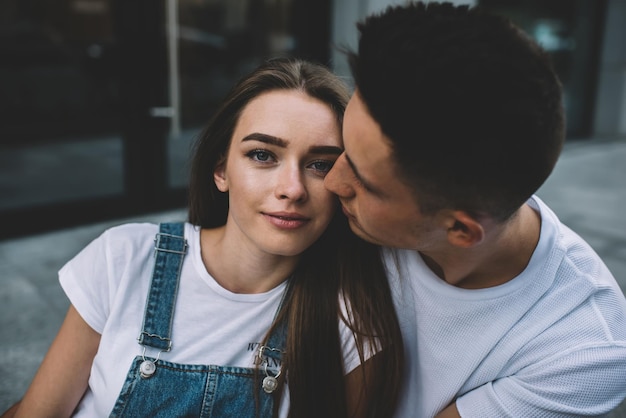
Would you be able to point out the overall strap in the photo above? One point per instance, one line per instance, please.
(275, 345)
(170, 248)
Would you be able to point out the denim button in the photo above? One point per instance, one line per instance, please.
(147, 369)
(270, 384)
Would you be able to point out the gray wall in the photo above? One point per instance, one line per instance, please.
(610, 108)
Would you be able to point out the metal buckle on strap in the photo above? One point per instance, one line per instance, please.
(144, 333)
(270, 382)
(157, 244)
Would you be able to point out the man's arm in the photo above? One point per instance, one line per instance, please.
(357, 382)
(449, 412)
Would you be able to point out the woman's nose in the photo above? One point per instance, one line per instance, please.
(290, 183)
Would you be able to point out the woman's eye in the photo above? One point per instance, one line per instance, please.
(323, 166)
(259, 155)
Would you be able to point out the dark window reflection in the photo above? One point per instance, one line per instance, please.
(90, 127)
(221, 40)
(59, 111)
(570, 31)
(57, 75)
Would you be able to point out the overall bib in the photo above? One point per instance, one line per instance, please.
(159, 389)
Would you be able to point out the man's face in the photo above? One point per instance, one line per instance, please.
(381, 208)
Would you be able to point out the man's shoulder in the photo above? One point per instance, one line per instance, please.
(401, 261)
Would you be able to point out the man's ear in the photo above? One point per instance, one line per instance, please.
(464, 230)
(219, 176)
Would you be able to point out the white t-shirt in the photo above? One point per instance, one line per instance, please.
(108, 282)
(549, 343)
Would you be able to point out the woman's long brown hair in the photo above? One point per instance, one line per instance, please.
(339, 263)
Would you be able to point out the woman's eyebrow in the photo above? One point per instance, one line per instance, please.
(268, 139)
(279, 142)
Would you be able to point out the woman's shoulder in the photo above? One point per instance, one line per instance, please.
(130, 237)
(129, 234)
(135, 231)
(132, 229)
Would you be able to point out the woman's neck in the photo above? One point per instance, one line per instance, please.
(239, 268)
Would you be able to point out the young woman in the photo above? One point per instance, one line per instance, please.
(263, 304)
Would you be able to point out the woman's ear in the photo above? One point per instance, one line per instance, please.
(464, 230)
(219, 176)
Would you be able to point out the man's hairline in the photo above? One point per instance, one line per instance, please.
(367, 184)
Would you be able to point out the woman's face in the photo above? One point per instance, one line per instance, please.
(282, 147)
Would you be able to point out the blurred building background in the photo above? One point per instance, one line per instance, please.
(101, 99)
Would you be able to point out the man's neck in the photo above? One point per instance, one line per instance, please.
(502, 256)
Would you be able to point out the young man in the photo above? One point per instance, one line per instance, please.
(456, 121)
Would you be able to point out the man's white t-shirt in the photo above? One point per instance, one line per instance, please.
(108, 282)
(549, 343)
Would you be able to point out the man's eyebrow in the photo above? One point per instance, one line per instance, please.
(268, 139)
(364, 182)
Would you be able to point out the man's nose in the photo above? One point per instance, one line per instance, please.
(336, 180)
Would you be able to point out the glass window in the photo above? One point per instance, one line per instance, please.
(59, 110)
(221, 40)
(570, 30)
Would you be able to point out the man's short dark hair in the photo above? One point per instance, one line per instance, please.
(470, 103)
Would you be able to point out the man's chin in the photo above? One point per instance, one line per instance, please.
(360, 232)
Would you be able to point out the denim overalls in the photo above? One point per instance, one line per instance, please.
(155, 388)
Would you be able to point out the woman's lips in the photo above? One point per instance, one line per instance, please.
(286, 220)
